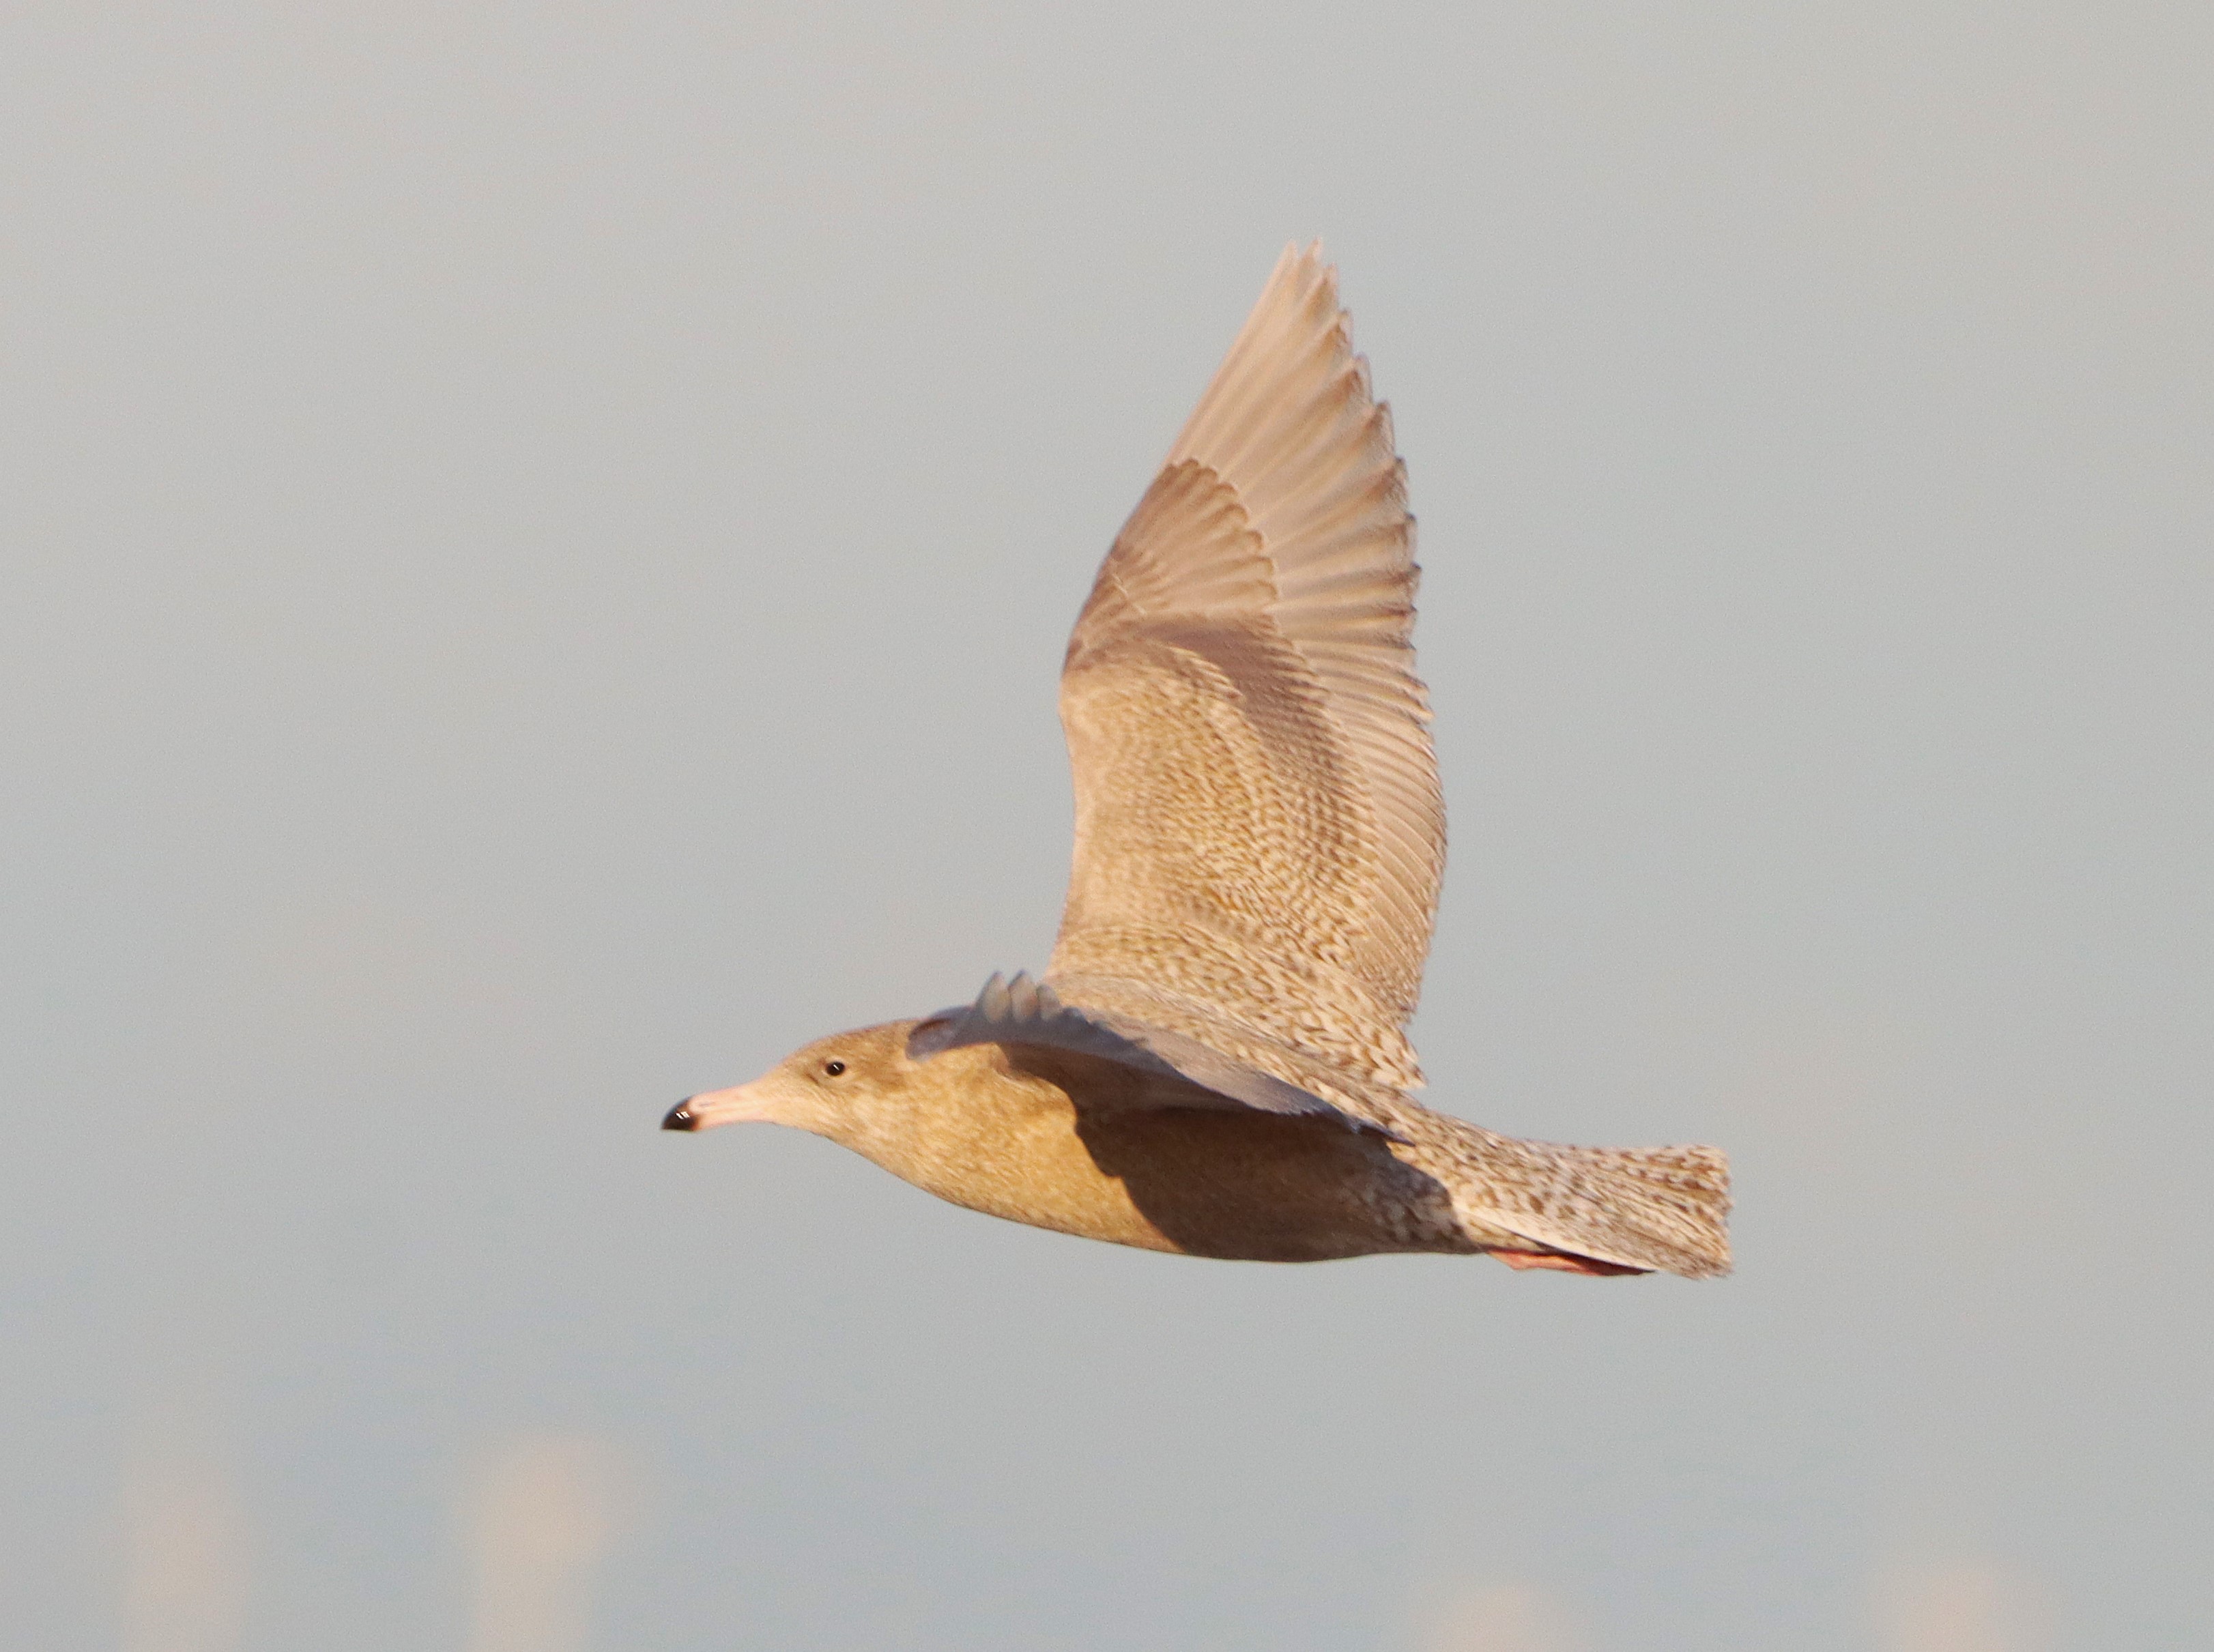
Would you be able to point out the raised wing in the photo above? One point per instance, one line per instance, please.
(1259, 835)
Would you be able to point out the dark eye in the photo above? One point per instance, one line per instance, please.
(834, 1069)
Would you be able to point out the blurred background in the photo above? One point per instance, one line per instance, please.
(539, 541)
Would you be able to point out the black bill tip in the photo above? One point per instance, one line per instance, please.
(680, 1117)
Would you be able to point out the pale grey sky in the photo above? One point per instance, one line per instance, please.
(538, 544)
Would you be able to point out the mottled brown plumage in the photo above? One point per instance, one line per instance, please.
(1216, 1061)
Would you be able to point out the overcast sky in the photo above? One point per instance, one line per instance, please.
(538, 545)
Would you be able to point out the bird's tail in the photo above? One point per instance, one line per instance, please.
(1665, 1208)
(1643, 1208)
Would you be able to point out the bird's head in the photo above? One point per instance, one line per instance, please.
(854, 1087)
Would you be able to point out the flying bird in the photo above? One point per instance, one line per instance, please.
(1216, 1060)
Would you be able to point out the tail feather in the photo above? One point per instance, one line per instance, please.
(1667, 1207)
(1647, 1208)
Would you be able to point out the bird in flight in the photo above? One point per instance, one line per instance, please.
(1214, 1061)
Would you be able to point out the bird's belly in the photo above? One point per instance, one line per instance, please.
(1238, 1185)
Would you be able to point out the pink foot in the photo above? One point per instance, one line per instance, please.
(1567, 1264)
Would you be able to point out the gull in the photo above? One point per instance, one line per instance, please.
(1215, 1060)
